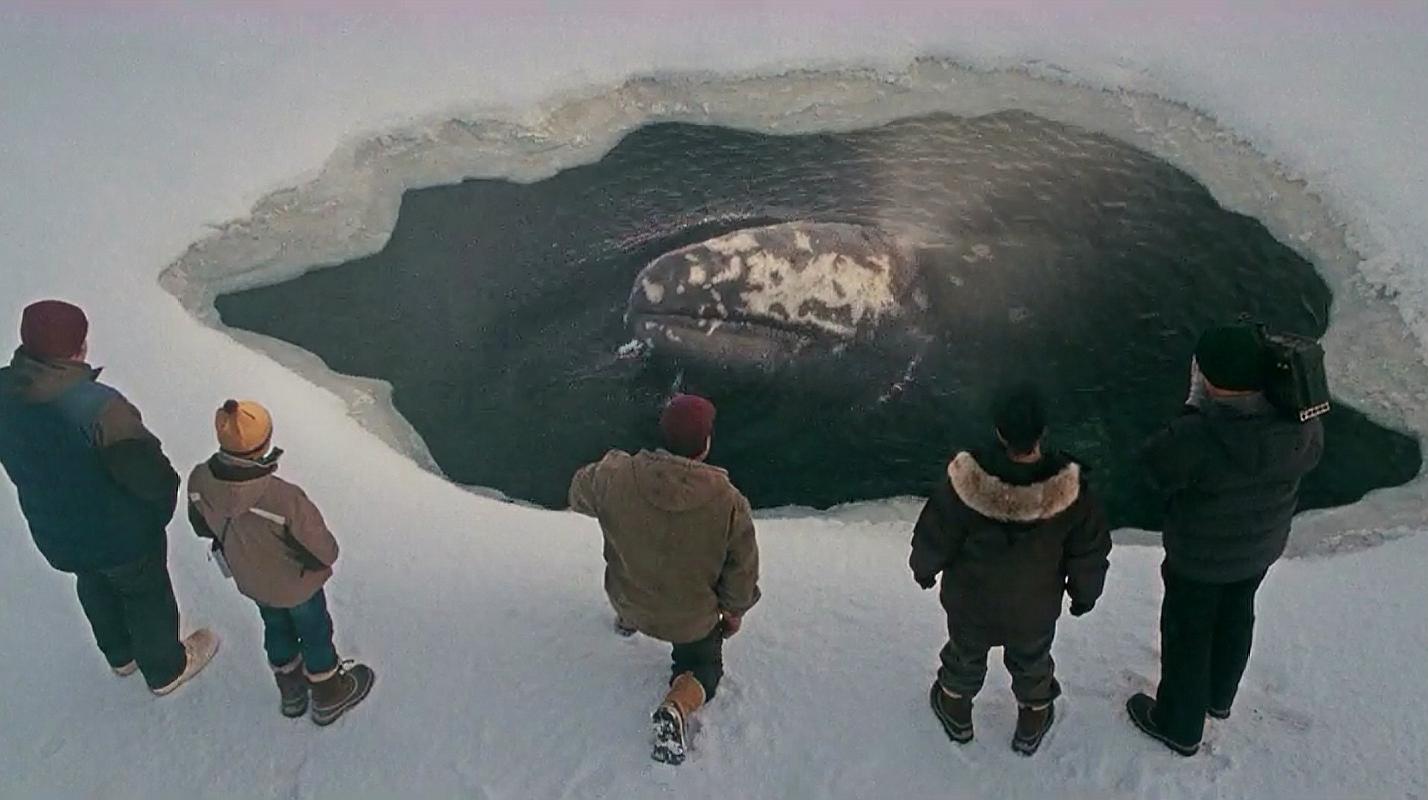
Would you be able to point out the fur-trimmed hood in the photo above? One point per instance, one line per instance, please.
(996, 499)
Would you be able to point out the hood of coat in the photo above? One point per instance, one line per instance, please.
(1254, 435)
(38, 381)
(674, 483)
(999, 499)
(230, 486)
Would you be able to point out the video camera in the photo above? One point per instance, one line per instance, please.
(1295, 381)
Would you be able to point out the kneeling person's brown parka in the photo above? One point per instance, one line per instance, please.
(679, 541)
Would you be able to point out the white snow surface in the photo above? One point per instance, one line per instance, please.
(125, 133)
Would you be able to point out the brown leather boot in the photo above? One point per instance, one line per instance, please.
(685, 696)
(337, 691)
(1031, 727)
(292, 686)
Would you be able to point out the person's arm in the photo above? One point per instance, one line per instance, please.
(310, 531)
(135, 459)
(583, 496)
(936, 540)
(200, 525)
(738, 587)
(1168, 461)
(1087, 557)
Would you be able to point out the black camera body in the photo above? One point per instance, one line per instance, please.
(1295, 381)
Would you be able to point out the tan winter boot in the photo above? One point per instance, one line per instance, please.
(336, 691)
(199, 648)
(292, 686)
(685, 696)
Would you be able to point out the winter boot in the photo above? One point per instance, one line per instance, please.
(624, 628)
(126, 670)
(292, 686)
(954, 711)
(1032, 723)
(1221, 714)
(686, 696)
(1141, 708)
(336, 691)
(198, 649)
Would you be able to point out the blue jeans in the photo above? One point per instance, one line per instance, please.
(304, 629)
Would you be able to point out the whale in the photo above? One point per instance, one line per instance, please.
(769, 296)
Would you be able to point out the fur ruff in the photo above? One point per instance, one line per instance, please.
(996, 499)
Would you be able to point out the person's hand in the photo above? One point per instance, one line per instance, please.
(729, 624)
(1079, 609)
(925, 581)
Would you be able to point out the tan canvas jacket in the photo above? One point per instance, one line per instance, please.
(679, 541)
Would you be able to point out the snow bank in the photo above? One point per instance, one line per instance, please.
(128, 134)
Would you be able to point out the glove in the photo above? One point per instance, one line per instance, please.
(729, 624)
(1079, 609)
(925, 581)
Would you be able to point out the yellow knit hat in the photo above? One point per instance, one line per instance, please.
(244, 428)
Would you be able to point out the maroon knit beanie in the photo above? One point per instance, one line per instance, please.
(53, 330)
(686, 423)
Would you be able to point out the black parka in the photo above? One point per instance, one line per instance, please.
(1009, 539)
(1230, 471)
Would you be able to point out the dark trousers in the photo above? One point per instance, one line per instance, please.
(305, 630)
(1206, 630)
(704, 658)
(134, 615)
(1033, 672)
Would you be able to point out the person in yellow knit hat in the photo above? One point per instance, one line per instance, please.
(272, 541)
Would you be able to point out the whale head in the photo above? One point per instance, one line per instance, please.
(766, 296)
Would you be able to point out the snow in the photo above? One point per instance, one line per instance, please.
(127, 134)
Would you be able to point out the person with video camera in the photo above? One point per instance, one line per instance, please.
(1230, 467)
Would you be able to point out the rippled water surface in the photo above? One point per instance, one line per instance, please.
(496, 309)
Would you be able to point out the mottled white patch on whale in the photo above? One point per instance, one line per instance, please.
(733, 244)
(654, 292)
(697, 275)
(732, 272)
(802, 242)
(797, 291)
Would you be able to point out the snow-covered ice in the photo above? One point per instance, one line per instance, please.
(126, 135)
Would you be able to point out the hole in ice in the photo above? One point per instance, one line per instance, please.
(888, 279)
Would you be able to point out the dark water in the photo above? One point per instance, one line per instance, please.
(496, 309)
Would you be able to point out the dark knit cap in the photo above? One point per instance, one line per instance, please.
(1231, 358)
(53, 330)
(686, 424)
(1019, 413)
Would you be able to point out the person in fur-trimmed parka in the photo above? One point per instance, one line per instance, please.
(1011, 529)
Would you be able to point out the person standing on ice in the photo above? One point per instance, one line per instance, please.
(270, 538)
(1230, 466)
(98, 493)
(1011, 529)
(681, 562)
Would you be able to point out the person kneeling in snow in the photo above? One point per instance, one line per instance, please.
(98, 493)
(270, 538)
(681, 563)
(1011, 529)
